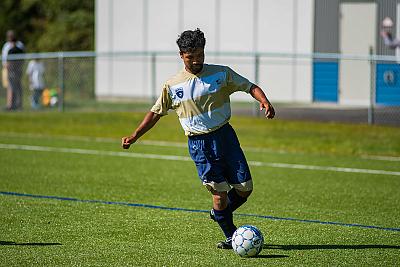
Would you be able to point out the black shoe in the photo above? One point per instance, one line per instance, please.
(227, 244)
(212, 215)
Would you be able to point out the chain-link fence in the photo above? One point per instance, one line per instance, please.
(323, 87)
(51, 81)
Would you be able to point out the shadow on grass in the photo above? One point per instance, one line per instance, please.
(311, 247)
(271, 256)
(11, 243)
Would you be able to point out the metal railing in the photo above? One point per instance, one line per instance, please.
(112, 81)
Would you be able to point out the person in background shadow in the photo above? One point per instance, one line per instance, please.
(35, 72)
(12, 71)
(386, 33)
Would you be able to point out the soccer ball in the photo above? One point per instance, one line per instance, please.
(247, 241)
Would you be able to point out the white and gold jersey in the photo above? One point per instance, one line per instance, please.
(201, 100)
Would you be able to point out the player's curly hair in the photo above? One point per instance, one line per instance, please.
(189, 40)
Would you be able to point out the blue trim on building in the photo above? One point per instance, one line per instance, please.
(388, 84)
(325, 81)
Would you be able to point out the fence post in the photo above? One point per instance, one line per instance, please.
(153, 76)
(61, 81)
(371, 119)
(256, 111)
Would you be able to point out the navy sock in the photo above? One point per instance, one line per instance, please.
(225, 220)
(234, 200)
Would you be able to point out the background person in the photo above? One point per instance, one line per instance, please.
(14, 73)
(17, 47)
(386, 33)
(35, 72)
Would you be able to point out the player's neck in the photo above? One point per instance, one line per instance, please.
(196, 72)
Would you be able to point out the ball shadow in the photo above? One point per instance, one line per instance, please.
(12, 243)
(272, 256)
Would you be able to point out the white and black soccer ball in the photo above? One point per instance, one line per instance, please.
(247, 241)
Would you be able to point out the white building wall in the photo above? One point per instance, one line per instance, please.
(284, 26)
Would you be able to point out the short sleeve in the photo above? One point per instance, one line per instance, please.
(236, 82)
(29, 68)
(163, 103)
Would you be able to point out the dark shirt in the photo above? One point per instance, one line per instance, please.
(15, 66)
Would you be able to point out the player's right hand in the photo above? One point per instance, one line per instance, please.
(126, 142)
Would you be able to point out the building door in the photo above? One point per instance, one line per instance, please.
(357, 31)
(325, 81)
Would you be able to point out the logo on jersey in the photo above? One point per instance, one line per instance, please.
(214, 86)
(179, 92)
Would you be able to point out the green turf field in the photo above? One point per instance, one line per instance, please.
(325, 194)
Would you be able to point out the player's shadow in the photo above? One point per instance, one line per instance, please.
(311, 247)
(271, 256)
(11, 243)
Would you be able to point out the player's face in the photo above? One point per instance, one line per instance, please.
(194, 60)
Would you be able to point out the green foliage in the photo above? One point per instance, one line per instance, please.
(48, 25)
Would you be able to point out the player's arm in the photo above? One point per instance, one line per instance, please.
(148, 122)
(258, 94)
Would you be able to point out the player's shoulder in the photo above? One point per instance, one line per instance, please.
(210, 70)
(178, 78)
(215, 68)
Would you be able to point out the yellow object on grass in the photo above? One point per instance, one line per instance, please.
(50, 97)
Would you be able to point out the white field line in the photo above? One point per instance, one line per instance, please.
(170, 144)
(385, 158)
(92, 152)
(140, 142)
(183, 158)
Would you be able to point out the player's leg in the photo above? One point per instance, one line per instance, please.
(237, 198)
(223, 216)
(9, 104)
(206, 155)
(238, 172)
(18, 93)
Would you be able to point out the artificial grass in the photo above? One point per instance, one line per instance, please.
(42, 231)
(292, 136)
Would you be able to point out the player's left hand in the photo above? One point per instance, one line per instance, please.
(269, 110)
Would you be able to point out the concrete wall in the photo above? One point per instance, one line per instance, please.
(284, 26)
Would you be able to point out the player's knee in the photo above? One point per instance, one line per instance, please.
(220, 200)
(244, 194)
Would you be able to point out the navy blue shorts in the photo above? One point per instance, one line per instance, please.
(220, 161)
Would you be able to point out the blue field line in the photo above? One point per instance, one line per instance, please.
(198, 211)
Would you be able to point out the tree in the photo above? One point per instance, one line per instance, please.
(50, 25)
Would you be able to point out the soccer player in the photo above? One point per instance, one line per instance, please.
(199, 94)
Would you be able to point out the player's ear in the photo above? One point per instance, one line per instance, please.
(181, 54)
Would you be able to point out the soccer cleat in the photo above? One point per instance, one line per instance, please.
(212, 215)
(227, 244)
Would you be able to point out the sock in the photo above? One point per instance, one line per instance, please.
(225, 220)
(234, 200)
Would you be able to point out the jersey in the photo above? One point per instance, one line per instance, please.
(35, 70)
(15, 66)
(201, 100)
